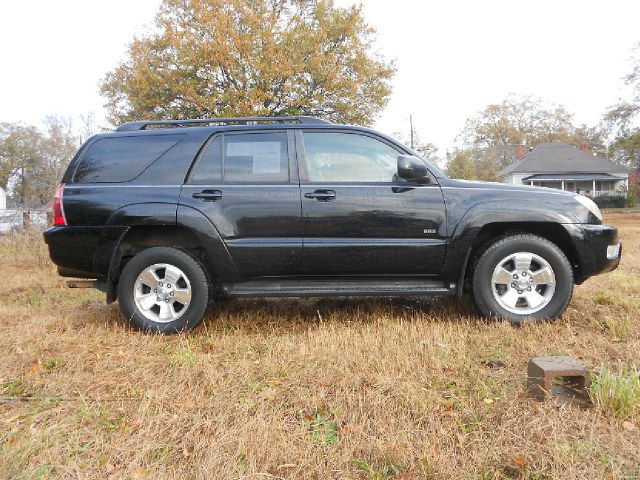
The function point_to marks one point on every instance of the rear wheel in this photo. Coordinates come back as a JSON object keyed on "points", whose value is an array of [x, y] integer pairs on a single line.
{"points": [[521, 278], [163, 289]]}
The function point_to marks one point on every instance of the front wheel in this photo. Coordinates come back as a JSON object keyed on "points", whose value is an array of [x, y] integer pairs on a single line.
{"points": [[522, 277], [163, 289]]}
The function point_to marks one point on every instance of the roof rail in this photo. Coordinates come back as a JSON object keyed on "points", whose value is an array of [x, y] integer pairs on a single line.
{"points": [[143, 125]]}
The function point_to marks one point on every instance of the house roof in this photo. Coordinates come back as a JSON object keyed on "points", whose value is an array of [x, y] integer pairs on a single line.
{"points": [[572, 177], [560, 157]]}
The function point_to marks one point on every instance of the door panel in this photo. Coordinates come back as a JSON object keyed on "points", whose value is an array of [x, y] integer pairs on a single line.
{"points": [[372, 227], [258, 212]]}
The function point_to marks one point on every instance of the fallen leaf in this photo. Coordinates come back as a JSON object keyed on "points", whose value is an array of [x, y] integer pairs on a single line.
{"points": [[34, 368], [493, 363], [520, 461], [139, 472]]}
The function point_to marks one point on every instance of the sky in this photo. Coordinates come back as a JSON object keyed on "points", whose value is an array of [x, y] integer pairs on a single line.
{"points": [[453, 57]]}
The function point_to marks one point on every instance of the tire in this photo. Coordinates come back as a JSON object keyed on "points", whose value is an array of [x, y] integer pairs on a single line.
{"points": [[151, 303], [498, 279]]}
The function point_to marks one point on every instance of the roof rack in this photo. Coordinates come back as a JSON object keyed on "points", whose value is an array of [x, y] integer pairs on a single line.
{"points": [[143, 125]]}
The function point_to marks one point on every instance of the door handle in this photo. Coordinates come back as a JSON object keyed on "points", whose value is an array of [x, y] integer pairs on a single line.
{"points": [[321, 195], [208, 195]]}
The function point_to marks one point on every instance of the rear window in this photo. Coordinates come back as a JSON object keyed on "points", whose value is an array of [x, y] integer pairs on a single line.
{"points": [[121, 159]]}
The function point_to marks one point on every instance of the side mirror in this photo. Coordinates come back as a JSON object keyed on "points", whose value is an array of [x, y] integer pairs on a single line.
{"points": [[412, 168]]}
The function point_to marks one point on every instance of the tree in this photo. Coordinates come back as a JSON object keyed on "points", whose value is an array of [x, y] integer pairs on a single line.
{"points": [[621, 121], [460, 165], [495, 133], [32, 162], [216, 58], [88, 126], [427, 149]]}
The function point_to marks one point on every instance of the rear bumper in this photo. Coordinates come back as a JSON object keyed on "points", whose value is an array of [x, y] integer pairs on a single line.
{"points": [[598, 248], [72, 249]]}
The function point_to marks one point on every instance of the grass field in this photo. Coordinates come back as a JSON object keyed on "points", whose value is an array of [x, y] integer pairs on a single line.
{"points": [[340, 388]]}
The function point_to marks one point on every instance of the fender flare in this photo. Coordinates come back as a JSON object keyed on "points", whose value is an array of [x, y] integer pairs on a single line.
{"points": [[494, 212], [109, 254]]}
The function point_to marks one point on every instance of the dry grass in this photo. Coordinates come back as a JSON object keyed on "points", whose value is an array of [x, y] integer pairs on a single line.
{"points": [[354, 388]]}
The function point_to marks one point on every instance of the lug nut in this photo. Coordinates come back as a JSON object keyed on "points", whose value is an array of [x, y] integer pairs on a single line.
{"points": [[155, 290], [524, 274], [160, 284], [168, 285], [173, 293], [515, 277], [531, 279], [513, 285], [158, 298], [529, 288], [520, 291]]}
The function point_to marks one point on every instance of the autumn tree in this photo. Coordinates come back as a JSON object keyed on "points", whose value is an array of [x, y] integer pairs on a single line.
{"points": [[33, 161], [495, 133], [622, 120], [461, 165], [217, 58]]}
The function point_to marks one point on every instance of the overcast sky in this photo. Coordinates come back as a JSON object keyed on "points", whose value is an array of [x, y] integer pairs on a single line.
{"points": [[453, 57]]}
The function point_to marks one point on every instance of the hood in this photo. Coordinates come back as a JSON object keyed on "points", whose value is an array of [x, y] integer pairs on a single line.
{"points": [[450, 182]]}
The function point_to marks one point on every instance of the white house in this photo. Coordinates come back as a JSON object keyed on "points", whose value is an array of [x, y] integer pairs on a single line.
{"points": [[3, 199], [563, 166]]}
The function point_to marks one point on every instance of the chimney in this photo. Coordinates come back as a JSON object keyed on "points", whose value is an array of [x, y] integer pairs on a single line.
{"points": [[584, 146], [521, 152]]}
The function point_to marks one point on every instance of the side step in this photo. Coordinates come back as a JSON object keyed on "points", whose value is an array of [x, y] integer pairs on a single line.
{"points": [[337, 287]]}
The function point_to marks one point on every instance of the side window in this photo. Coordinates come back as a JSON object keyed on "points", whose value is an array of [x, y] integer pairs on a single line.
{"points": [[121, 159], [209, 167], [346, 157], [256, 157]]}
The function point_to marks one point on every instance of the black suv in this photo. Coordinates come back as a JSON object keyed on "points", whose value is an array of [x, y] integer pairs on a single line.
{"points": [[167, 216]]}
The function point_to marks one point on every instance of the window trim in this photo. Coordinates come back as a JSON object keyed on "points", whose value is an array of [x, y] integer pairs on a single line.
{"points": [[303, 165], [291, 155]]}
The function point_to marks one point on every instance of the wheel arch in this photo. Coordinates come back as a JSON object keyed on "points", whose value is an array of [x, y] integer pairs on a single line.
{"points": [[141, 237], [491, 232]]}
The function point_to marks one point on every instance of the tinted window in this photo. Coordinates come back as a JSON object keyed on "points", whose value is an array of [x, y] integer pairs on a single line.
{"points": [[341, 157], [120, 159], [256, 157], [209, 168]]}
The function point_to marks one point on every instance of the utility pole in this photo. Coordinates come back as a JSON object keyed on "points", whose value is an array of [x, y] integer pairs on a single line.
{"points": [[411, 124]]}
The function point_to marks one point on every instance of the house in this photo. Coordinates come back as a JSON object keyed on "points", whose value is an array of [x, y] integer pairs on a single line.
{"points": [[3, 199], [563, 166]]}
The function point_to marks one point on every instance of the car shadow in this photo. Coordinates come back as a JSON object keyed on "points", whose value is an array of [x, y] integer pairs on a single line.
{"points": [[300, 314], [286, 315]]}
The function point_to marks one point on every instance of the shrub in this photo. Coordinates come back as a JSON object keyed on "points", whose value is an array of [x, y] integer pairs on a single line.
{"points": [[633, 197], [607, 201]]}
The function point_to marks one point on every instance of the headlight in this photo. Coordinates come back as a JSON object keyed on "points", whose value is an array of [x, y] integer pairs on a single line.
{"points": [[591, 205]]}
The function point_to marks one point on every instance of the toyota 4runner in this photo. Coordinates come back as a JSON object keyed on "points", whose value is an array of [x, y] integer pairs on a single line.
{"points": [[167, 216]]}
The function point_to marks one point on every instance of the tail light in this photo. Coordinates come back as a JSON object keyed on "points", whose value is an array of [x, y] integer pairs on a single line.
{"points": [[58, 206]]}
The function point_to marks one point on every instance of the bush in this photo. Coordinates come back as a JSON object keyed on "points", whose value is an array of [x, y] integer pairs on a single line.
{"points": [[633, 197], [607, 201]]}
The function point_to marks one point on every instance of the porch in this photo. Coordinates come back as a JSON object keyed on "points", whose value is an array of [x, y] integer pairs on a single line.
{"points": [[591, 185]]}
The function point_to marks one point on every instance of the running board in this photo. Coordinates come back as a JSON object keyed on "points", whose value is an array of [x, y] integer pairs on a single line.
{"points": [[337, 287]]}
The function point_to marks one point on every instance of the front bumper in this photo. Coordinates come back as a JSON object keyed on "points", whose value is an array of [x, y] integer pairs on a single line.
{"points": [[597, 247]]}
